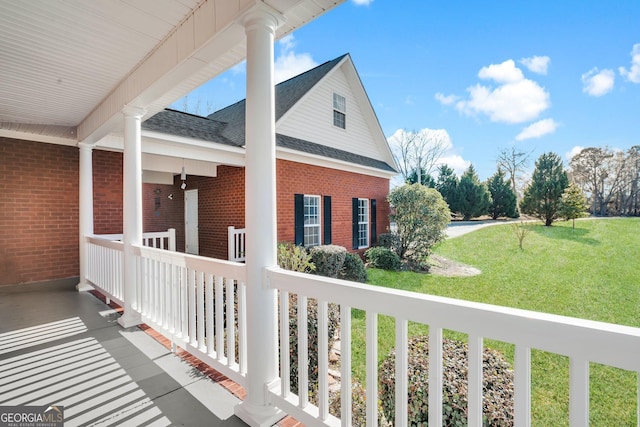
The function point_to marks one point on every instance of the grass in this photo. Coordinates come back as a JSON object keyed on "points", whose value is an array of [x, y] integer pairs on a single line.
{"points": [[589, 272]]}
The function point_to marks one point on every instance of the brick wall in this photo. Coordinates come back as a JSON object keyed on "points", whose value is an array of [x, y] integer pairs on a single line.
{"points": [[38, 211], [342, 186], [39, 206]]}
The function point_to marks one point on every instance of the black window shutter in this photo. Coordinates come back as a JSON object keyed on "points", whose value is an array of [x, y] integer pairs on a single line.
{"points": [[298, 201], [374, 236], [354, 225], [327, 220]]}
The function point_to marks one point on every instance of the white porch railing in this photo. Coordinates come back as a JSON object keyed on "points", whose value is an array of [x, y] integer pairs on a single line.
{"points": [[199, 304], [236, 243], [105, 259], [582, 341]]}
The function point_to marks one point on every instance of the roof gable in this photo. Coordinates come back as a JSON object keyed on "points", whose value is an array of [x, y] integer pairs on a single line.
{"points": [[227, 126]]}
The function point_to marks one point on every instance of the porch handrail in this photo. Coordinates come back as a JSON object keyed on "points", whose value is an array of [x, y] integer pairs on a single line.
{"points": [[155, 239], [583, 341], [236, 243]]}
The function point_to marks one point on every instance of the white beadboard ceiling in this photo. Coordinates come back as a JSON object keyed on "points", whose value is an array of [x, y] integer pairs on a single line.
{"points": [[63, 61]]}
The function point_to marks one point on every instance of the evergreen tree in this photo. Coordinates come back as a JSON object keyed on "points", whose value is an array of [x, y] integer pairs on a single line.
{"points": [[574, 204], [543, 196], [427, 180], [503, 199], [473, 197], [447, 185]]}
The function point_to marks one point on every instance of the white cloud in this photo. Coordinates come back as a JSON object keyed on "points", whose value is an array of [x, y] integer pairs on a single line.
{"points": [[514, 100], [536, 64], [289, 63], [633, 74], [455, 162], [446, 99], [598, 83], [574, 151], [507, 72], [362, 2], [538, 129]]}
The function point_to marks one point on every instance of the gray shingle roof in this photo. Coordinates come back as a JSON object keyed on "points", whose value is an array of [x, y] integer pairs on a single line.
{"points": [[227, 126]]}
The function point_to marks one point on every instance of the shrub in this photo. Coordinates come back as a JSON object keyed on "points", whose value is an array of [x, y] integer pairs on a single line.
{"points": [[358, 407], [421, 216], [390, 241], [383, 258], [353, 269], [333, 312], [497, 384], [328, 259], [294, 258]]}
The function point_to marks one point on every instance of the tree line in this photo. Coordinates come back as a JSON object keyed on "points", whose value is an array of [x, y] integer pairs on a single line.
{"points": [[598, 180]]}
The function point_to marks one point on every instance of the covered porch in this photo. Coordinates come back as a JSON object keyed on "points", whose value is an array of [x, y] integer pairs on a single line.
{"points": [[233, 316]]}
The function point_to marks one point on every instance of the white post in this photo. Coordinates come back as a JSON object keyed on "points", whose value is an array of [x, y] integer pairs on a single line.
{"points": [[260, 218], [132, 210], [85, 187]]}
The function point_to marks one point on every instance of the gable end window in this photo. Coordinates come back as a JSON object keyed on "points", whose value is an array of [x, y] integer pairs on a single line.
{"points": [[339, 111]]}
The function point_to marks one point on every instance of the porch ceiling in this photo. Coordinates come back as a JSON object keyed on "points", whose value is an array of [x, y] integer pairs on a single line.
{"points": [[68, 67]]}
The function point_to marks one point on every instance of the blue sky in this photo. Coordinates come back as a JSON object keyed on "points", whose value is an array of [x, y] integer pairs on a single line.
{"points": [[540, 75]]}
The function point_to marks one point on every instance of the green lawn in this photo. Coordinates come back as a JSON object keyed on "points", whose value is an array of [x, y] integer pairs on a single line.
{"points": [[591, 272]]}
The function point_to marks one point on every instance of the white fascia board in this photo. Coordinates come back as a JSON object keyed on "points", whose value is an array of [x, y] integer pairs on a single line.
{"points": [[179, 147], [321, 161]]}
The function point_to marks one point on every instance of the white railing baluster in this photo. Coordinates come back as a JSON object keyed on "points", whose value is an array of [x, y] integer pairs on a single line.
{"points": [[163, 295], [184, 305], [372, 368], [219, 317], [578, 392], [323, 360], [209, 301], [401, 375], [191, 308], [475, 381], [231, 336], [200, 278], [285, 360], [242, 327], [435, 375], [303, 353], [345, 365], [522, 386]]}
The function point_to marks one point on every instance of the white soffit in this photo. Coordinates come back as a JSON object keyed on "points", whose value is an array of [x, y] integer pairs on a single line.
{"points": [[74, 64]]}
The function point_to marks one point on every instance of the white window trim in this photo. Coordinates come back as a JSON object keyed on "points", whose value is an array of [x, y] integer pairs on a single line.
{"points": [[335, 109], [319, 225], [366, 203]]}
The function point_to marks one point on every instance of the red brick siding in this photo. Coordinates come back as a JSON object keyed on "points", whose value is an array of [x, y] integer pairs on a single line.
{"points": [[39, 206], [220, 204], [107, 192], [342, 186], [39, 211]]}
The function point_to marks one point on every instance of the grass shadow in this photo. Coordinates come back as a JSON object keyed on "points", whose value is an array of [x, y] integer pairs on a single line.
{"points": [[578, 235]]}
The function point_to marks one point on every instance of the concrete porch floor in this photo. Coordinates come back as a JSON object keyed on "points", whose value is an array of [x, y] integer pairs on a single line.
{"points": [[62, 347]]}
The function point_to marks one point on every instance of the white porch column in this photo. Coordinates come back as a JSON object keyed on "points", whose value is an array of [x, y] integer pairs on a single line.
{"points": [[260, 217], [85, 186], [132, 210]]}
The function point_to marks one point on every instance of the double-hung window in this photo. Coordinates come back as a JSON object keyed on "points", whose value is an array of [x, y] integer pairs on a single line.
{"points": [[311, 220], [363, 223], [339, 111]]}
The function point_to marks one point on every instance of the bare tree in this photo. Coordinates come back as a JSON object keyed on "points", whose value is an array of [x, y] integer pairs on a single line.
{"points": [[599, 172], [418, 152], [513, 162]]}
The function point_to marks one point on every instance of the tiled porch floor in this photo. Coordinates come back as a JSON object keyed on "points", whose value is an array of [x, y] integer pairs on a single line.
{"points": [[62, 347]]}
